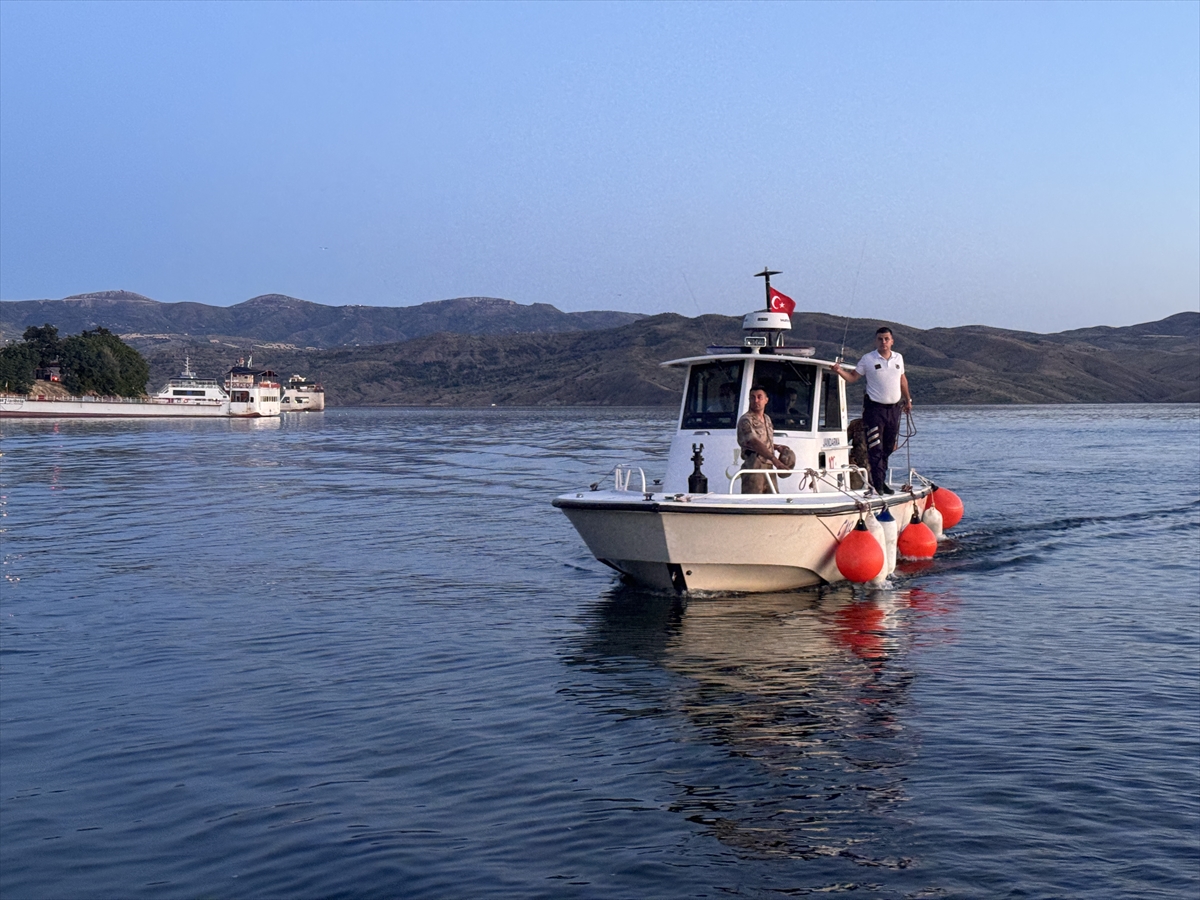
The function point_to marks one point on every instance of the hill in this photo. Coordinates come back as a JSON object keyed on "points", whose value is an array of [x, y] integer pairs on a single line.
{"points": [[484, 350], [148, 324], [1156, 362]]}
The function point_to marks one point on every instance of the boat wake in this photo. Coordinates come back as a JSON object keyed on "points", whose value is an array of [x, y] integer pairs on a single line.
{"points": [[1030, 543]]}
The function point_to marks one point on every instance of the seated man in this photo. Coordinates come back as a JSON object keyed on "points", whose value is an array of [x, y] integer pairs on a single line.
{"points": [[756, 437]]}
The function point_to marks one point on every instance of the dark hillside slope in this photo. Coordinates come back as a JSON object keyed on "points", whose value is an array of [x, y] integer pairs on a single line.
{"points": [[620, 366], [276, 318]]}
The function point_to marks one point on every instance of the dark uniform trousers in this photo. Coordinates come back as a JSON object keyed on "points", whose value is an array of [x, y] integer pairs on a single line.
{"points": [[881, 421]]}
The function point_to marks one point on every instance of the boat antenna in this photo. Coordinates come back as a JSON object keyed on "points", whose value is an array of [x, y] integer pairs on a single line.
{"points": [[766, 274], [699, 315], [853, 293]]}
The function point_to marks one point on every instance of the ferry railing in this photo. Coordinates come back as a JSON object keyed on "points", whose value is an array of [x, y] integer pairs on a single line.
{"points": [[125, 401]]}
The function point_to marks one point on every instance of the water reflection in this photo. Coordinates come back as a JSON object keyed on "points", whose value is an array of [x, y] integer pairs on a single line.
{"points": [[802, 696]]}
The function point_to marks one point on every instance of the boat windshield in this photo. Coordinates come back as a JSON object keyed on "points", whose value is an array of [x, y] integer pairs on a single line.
{"points": [[830, 418], [712, 395], [792, 388]]}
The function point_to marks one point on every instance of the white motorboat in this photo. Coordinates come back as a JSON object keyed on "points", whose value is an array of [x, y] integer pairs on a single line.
{"points": [[302, 395], [693, 530]]}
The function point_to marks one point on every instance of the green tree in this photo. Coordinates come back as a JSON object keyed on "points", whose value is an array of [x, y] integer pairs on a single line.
{"points": [[17, 365], [99, 361], [44, 342]]}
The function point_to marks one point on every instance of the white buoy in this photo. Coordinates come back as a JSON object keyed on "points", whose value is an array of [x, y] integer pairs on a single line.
{"points": [[875, 527], [891, 531], [933, 520]]}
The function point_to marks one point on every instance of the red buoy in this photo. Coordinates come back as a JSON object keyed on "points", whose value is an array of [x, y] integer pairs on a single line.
{"points": [[916, 540], [948, 504], [859, 557]]}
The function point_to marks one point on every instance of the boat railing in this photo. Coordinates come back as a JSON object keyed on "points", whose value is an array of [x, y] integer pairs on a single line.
{"points": [[836, 480], [737, 476], [623, 474], [844, 477], [913, 479]]}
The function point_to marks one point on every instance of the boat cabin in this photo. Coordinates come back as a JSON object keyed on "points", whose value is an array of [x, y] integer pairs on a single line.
{"points": [[302, 395], [807, 407], [187, 387]]}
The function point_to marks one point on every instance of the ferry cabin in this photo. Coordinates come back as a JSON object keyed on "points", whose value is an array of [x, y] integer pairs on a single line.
{"points": [[302, 395], [188, 389]]}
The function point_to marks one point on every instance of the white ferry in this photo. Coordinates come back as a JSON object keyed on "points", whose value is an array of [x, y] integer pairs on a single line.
{"points": [[302, 395], [253, 392], [184, 396], [693, 530]]}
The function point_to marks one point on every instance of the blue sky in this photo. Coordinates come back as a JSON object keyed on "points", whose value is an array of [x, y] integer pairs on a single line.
{"points": [[1023, 165]]}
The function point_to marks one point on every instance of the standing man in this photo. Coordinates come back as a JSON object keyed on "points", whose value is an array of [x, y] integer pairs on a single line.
{"points": [[887, 395], [756, 437]]}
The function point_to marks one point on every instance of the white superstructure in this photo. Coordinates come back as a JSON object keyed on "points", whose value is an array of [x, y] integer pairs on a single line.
{"points": [[691, 533], [253, 392], [302, 395]]}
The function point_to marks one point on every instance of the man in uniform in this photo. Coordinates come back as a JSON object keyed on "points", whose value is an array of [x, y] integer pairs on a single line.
{"points": [[886, 397], [756, 437]]}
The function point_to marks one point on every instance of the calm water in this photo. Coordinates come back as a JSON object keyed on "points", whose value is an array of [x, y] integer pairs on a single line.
{"points": [[359, 654]]}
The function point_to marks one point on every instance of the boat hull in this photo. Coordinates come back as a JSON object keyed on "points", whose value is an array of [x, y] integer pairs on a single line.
{"points": [[302, 401], [23, 408], [723, 544]]}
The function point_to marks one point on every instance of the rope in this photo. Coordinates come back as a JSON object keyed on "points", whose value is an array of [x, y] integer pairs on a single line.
{"points": [[816, 476], [853, 293], [906, 434]]}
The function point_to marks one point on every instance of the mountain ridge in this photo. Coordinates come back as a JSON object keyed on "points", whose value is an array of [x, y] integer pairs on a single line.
{"points": [[148, 323], [620, 366], [478, 351]]}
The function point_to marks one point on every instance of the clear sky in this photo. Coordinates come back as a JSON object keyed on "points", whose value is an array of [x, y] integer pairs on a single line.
{"points": [[1024, 165]]}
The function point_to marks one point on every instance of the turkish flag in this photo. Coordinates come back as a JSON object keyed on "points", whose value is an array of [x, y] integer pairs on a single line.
{"points": [[782, 302]]}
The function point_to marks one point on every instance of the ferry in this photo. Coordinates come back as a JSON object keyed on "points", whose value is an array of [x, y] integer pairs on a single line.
{"points": [[302, 395], [694, 531], [184, 396], [253, 392]]}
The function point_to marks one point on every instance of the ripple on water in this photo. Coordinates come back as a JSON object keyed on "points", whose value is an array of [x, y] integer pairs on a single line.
{"points": [[321, 660]]}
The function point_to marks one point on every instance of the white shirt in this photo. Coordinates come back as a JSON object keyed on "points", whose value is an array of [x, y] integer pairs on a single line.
{"points": [[883, 376]]}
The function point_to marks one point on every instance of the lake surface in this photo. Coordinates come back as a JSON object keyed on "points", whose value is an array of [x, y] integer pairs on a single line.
{"points": [[358, 654]]}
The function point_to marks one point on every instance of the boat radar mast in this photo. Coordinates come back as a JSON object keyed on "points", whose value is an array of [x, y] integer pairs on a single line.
{"points": [[766, 274], [765, 329]]}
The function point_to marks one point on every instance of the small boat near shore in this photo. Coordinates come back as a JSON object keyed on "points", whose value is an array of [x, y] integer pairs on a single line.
{"points": [[693, 530], [247, 393]]}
